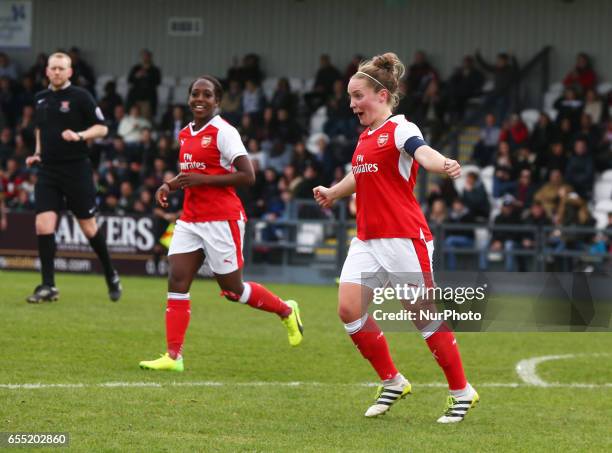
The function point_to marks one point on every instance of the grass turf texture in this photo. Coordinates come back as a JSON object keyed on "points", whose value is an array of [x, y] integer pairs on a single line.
{"points": [[86, 339]]}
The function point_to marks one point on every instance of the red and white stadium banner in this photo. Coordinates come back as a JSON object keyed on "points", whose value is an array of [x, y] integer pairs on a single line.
{"points": [[130, 242]]}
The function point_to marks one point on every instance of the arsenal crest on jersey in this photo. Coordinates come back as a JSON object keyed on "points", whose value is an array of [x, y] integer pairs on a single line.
{"points": [[206, 141], [382, 139], [65, 106]]}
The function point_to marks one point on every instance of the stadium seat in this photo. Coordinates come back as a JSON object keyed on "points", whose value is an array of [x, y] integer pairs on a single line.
{"points": [[460, 181], [602, 191], [186, 80], [488, 86], [549, 100], [268, 86], [122, 89], [604, 88], [530, 118], [486, 176], [606, 175], [308, 85], [180, 93], [102, 80], [603, 206], [168, 80], [556, 87], [552, 114], [296, 84], [163, 97], [601, 219], [318, 119], [122, 80]]}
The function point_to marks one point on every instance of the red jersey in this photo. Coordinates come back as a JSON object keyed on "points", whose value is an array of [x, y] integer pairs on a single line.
{"points": [[385, 173], [210, 151]]}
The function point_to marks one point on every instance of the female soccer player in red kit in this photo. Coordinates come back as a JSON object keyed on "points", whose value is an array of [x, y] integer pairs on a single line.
{"points": [[212, 162], [392, 234]]}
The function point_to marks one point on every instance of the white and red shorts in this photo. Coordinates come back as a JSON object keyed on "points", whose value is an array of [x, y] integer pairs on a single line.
{"points": [[377, 262], [221, 242]]}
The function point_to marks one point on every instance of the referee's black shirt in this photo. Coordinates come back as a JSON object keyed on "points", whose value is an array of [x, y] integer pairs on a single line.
{"points": [[69, 108]]}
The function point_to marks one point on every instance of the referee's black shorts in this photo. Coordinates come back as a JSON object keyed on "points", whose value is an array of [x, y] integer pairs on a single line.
{"points": [[66, 185]]}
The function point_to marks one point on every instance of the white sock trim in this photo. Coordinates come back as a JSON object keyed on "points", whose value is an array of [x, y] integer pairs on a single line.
{"points": [[356, 326], [179, 296], [467, 391], [431, 329], [244, 298]]}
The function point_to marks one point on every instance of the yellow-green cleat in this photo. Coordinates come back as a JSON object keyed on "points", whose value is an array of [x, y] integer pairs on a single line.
{"points": [[293, 323], [164, 363]]}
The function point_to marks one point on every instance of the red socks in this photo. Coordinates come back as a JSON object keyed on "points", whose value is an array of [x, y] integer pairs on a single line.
{"points": [[259, 297], [177, 320], [443, 346], [371, 342]]}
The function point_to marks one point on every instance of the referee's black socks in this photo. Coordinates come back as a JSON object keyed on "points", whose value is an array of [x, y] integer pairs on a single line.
{"points": [[46, 252], [98, 244]]}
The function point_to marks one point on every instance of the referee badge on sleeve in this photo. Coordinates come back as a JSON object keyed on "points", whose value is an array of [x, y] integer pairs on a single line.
{"points": [[65, 107]]}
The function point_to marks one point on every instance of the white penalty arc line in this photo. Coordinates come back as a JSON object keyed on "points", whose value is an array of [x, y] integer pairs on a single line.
{"points": [[527, 370], [36, 386]]}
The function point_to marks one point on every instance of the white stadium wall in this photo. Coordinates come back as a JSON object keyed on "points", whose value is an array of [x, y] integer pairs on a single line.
{"points": [[289, 34]]}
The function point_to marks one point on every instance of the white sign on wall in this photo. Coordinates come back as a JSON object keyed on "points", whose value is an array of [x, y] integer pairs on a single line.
{"points": [[15, 23], [185, 26]]}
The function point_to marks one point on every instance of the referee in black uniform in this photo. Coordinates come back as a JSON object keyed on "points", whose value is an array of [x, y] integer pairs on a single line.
{"points": [[66, 116]]}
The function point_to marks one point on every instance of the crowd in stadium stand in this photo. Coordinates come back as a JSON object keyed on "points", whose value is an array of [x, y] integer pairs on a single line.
{"points": [[298, 140]]}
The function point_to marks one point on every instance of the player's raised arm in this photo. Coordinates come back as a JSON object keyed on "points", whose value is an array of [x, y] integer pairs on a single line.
{"points": [[326, 196], [432, 160]]}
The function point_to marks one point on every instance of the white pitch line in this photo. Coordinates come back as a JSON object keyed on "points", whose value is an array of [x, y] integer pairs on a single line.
{"points": [[527, 371], [36, 386]]}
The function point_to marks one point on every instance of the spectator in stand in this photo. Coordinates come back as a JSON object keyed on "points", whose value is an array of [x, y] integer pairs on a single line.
{"points": [[38, 71], [484, 149], [465, 83], [125, 204], [340, 117], [25, 125], [12, 179], [504, 178], [555, 159], [525, 160], [527, 240], [565, 134], [287, 130], [231, 103], [9, 103], [291, 177], [603, 155], [110, 100], [475, 198], [437, 214], [352, 68], [144, 78], [248, 70], [115, 119], [303, 190], [573, 212], [582, 77], [504, 73], [514, 132], [542, 135], [253, 101], [420, 73], [431, 110], [301, 157], [284, 98], [143, 205], [247, 128], [27, 91], [579, 172], [323, 87], [548, 194], [8, 68], [525, 189], [173, 122], [593, 106], [132, 125], [266, 130], [503, 241], [82, 73], [22, 149], [142, 155], [458, 238], [7, 146], [569, 106], [588, 132]]}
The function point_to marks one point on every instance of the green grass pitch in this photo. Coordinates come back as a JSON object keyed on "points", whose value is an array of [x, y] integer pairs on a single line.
{"points": [[234, 393]]}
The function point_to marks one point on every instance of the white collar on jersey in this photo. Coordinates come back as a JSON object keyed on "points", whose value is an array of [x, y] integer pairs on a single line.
{"points": [[194, 133], [371, 131], [63, 87]]}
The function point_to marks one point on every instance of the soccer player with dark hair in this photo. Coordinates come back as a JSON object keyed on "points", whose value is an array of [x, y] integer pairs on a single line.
{"points": [[66, 116], [213, 161]]}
